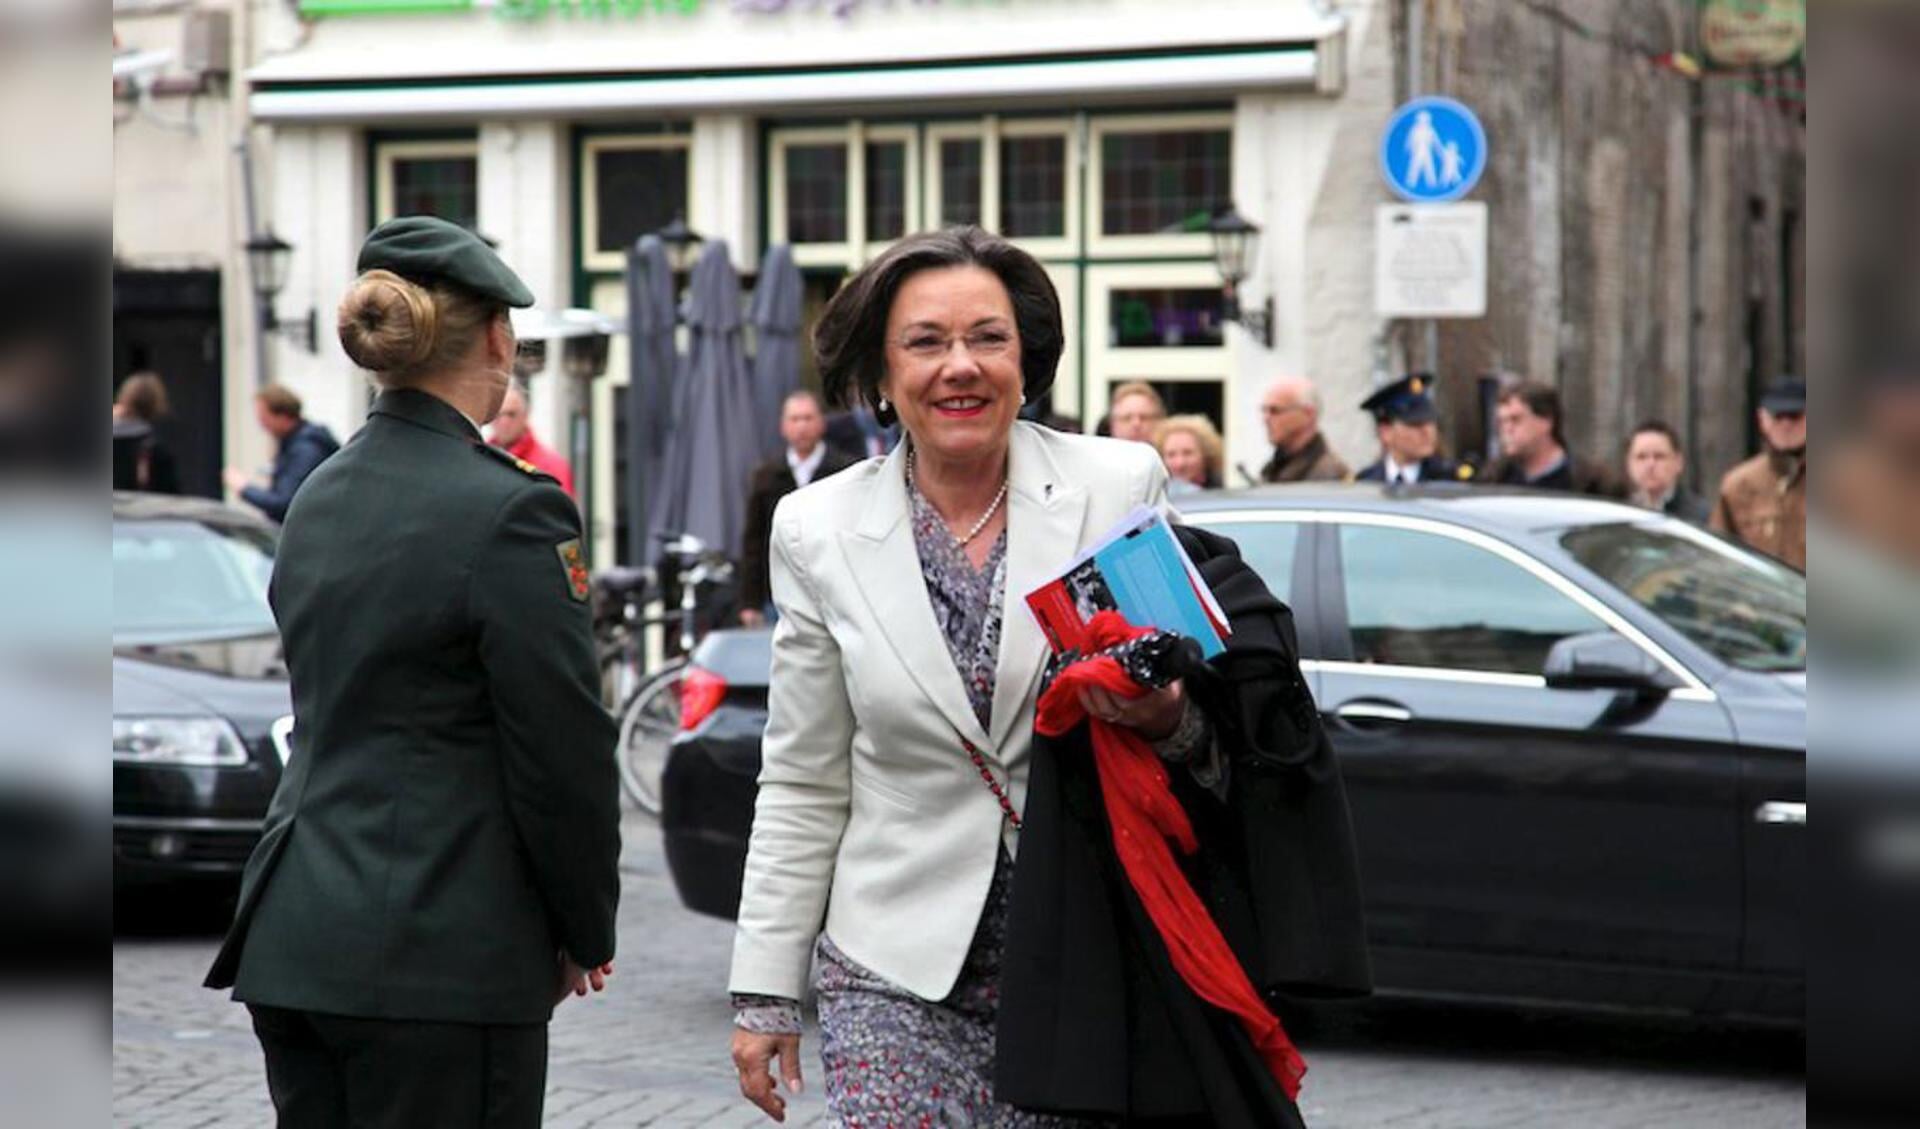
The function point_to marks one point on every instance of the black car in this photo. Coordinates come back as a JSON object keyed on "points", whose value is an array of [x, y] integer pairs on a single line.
{"points": [[1573, 734], [201, 710]]}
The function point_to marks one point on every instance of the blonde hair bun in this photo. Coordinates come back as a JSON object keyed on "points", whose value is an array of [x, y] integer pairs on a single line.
{"points": [[388, 324]]}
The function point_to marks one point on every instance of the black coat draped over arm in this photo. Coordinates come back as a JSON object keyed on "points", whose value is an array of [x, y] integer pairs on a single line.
{"points": [[1094, 1020]]}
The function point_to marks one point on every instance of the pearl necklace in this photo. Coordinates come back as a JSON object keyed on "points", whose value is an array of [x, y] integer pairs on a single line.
{"points": [[984, 518]]}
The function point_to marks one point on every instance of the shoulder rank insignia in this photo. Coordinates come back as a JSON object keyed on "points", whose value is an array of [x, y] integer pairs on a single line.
{"points": [[1463, 472], [512, 460], [575, 566]]}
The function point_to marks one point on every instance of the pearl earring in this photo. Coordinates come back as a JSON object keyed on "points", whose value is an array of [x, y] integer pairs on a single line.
{"points": [[885, 406]]}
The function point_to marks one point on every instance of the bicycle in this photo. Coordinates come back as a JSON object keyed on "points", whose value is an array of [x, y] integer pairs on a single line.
{"points": [[650, 714]]}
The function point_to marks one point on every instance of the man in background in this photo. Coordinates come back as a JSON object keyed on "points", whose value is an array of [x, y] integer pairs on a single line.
{"points": [[1763, 501], [1135, 412], [1655, 464], [1533, 445], [514, 435], [302, 446], [1291, 411], [808, 458], [1406, 420]]}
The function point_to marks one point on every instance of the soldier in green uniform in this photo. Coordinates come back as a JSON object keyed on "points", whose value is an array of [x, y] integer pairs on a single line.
{"points": [[439, 864]]}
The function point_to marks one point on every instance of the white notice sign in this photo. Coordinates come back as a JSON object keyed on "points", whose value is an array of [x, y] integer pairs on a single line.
{"points": [[1430, 260]]}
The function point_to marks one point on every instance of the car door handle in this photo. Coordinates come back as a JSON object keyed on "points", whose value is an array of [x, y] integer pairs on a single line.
{"points": [[1781, 813], [1365, 711]]}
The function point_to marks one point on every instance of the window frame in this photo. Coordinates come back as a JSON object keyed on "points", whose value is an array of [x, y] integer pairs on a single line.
{"points": [[599, 259], [1108, 364], [938, 134], [1198, 244], [1328, 598], [1067, 243], [388, 153], [855, 136]]}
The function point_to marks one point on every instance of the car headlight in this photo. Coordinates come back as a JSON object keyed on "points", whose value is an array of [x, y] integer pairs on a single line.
{"points": [[201, 742]]}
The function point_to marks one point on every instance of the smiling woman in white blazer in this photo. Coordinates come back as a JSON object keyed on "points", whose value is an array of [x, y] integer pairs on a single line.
{"points": [[888, 813]]}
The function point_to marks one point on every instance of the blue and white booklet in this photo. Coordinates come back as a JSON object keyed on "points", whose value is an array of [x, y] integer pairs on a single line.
{"points": [[1140, 570]]}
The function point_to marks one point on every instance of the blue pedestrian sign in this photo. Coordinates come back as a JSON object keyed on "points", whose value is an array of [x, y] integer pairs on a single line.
{"points": [[1433, 150]]}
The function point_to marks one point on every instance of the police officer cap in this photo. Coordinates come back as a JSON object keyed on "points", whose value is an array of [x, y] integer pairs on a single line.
{"points": [[1785, 395], [1407, 400], [426, 249]]}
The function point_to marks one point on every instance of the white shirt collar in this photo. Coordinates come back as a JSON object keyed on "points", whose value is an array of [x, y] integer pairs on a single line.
{"points": [[1397, 473], [804, 469]]}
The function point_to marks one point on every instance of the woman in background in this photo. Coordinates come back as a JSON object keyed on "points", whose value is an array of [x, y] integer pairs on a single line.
{"points": [[1196, 458]]}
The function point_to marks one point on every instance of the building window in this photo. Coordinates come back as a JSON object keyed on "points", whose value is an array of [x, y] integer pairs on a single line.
{"points": [[1165, 318], [960, 181], [837, 194], [634, 185], [428, 178], [886, 190], [1163, 182], [1033, 187], [816, 188]]}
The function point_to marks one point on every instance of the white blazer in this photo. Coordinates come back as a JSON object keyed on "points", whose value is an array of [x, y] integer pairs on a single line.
{"points": [[871, 819]]}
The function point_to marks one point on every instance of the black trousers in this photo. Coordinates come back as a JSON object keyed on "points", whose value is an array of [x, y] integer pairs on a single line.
{"points": [[338, 1072]]}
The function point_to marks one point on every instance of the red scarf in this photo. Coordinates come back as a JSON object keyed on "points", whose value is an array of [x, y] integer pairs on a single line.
{"points": [[1144, 814]]}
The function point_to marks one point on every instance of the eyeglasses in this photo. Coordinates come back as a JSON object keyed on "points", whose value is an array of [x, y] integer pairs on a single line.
{"points": [[1270, 411], [986, 341]]}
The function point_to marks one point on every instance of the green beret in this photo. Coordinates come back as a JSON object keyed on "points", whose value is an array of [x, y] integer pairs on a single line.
{"points": [[427, 249]]}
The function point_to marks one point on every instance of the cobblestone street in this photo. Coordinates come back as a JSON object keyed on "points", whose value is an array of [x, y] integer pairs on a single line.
{"points": [[652, 1051]]}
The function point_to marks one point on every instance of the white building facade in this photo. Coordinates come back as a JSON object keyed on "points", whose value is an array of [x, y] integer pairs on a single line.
{"points": [[1099, 134]]}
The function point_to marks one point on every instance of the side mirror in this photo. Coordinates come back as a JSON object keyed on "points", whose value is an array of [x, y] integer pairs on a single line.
{"points": [[1603, 660]]}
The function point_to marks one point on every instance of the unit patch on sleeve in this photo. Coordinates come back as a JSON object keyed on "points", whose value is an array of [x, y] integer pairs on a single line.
{"points": [[575, 566]]}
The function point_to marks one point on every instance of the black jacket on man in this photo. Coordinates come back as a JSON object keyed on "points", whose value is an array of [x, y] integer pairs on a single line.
{"points": [[303, 450], [448, 820], [1574, 475], [772, 481], [1094, 1019]]}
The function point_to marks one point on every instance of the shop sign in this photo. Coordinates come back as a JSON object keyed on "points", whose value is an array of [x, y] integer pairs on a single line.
{"points": [[1430, 260], [592, 9], [1752, 33], [614, 9]]}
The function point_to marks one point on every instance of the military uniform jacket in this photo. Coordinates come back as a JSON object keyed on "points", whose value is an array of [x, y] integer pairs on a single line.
{"points": [[448, 820], [1433, 468]]}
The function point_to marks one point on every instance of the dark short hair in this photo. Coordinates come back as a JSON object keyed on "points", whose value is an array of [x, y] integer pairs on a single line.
{"points": [[280, 400], [850, 340], [1541, 399], [1656, 427]]}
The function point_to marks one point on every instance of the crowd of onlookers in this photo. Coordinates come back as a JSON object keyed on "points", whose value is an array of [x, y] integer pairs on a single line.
{"points": [[1762, 501]]}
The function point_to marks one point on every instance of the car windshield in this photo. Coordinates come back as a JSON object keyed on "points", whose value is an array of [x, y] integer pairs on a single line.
{"points": [[176, 580], [1747, 609]]}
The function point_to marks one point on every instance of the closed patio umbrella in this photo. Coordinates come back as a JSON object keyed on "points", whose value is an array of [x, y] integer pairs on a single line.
{"points": [[651, 386], [713, 447], [775, 314]]}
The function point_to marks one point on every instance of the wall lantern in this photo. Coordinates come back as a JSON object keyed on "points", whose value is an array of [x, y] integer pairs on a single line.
{"points": [[1235, 241], [267, 258], [682, 243]]}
